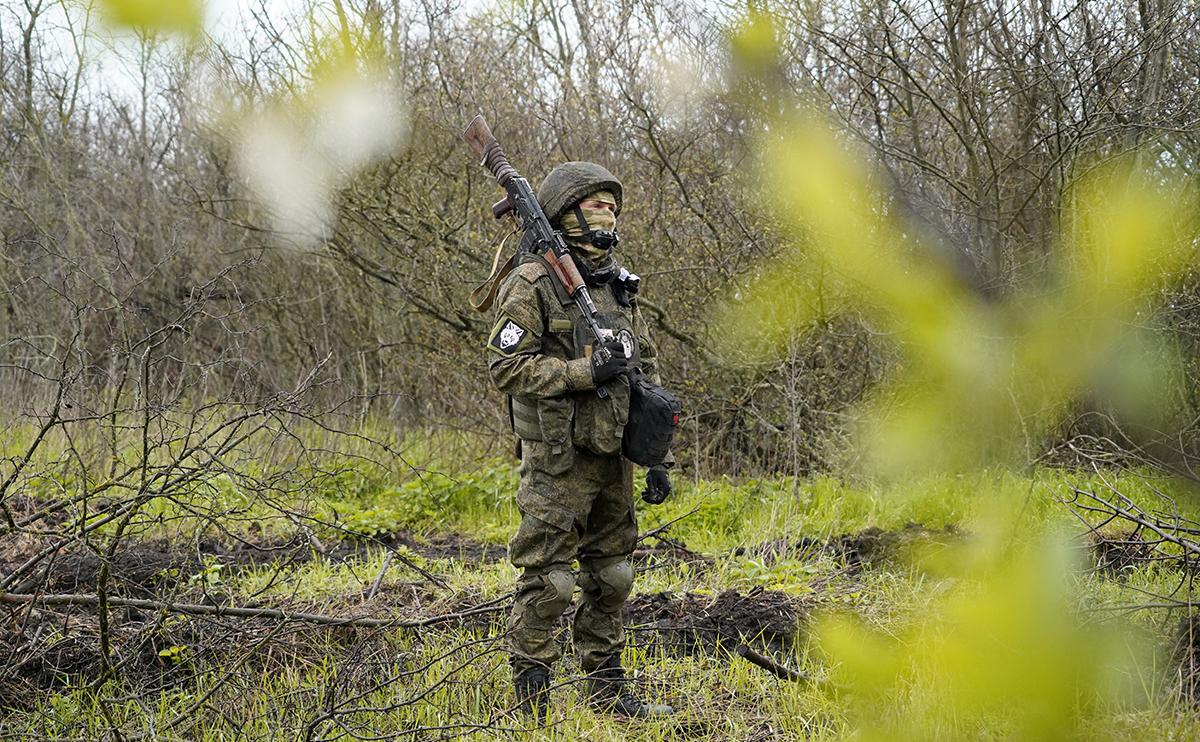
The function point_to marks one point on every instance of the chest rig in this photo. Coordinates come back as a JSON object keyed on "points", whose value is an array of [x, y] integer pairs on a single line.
{"points": [[582, 419]]}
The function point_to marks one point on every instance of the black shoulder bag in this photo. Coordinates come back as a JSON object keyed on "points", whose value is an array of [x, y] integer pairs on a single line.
{"points": [[653, 418]]}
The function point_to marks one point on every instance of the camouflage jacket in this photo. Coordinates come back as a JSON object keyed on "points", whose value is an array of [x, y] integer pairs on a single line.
{"points": [[537, 356]]}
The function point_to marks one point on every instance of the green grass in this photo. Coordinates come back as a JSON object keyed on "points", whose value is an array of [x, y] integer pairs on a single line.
{"points": [[457, 677]]}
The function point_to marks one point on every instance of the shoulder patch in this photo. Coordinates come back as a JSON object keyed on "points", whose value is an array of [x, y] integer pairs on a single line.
{"points": [[509, 337]]}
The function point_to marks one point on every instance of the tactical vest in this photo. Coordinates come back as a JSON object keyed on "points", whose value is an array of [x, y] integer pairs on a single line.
{"points": [[583, 418]]}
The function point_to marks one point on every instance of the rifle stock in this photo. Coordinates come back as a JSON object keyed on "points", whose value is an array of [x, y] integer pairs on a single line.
{"points": [[478, 135], [481, 140]]}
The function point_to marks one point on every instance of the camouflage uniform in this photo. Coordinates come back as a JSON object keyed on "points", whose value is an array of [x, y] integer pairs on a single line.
{"points": [[576, 495]]}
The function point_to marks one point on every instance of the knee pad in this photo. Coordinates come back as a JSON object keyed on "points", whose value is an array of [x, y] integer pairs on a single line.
{"points": [[610, 585], [557, 589]]}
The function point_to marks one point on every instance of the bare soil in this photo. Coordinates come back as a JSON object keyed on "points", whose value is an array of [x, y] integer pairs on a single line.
{"points": [[148, 568], [863, 548], [1117, 553], [1187, 658], [693, 623], [43, 650], [450, 546]]}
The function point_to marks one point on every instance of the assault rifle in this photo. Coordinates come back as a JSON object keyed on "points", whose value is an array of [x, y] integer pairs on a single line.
{"points": [[521, 200]]}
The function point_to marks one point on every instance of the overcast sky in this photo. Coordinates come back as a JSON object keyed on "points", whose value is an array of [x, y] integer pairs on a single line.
{"points": [[111, 54]]}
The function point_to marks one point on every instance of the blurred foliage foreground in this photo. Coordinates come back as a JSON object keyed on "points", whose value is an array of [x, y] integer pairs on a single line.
{"points": [[983, 378], [996, 628]]}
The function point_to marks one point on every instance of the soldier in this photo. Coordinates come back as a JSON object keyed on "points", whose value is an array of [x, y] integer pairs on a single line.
{"points": [[576, 493]]}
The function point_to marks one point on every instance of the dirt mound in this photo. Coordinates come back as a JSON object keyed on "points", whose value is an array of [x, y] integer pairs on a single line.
{"points": [[1187, 657], [133, 571], [45, 651], [144, 569], [34, 665], [667, 552], [873, 545], [795, 548], [692, 623], [453, 546], [1120, 552]]}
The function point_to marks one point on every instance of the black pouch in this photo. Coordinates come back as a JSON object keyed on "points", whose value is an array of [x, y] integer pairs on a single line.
{"points": [[653, 417]]}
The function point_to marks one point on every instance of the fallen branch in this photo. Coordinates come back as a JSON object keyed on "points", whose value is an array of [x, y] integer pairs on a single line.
{"points": [[770, 665], [387, 562], [654, 532], [193, 609]]}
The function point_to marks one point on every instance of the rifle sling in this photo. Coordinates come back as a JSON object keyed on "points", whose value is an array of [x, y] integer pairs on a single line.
{"points": [[484, 295]]}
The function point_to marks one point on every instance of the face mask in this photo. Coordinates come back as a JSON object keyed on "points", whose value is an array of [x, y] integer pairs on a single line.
{"points": [[595, 273], [593, 231], [594, 255], [596, 220]]}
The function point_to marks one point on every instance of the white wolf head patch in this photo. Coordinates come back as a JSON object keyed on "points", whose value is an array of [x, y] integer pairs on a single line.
{"points": [[510, 335]]}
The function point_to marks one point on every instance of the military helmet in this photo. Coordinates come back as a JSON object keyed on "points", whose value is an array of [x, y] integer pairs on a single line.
{"points": [[571, 181]]}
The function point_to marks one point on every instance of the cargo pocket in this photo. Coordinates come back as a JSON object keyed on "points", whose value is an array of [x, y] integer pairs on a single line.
{"points": [[556, 454], [538, 505], [547, 534], [600, 423]]}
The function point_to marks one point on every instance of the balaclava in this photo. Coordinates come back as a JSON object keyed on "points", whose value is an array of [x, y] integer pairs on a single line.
{"points": [[596, 257]]}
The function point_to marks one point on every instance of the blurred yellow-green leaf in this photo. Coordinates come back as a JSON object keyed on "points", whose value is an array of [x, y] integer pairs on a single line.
{"points": [[755, 43], [342, 113], [983, 377], [172, 16], [1003, 656]]}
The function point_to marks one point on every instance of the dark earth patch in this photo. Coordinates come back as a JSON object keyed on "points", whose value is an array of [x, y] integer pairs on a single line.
{"points": [[867, 547], [49, 651], [1120, 552], [45, 650], [1187, 658], [452, 546], [693, 623], [146, 569], [666, 552], [43, 658]]}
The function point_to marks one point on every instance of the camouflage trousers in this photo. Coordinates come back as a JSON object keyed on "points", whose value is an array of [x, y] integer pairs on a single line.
{"points": [[575, 506]]}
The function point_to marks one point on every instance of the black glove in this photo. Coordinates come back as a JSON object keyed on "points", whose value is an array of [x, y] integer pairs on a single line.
{"points": [[608, 360], [658, 485]]}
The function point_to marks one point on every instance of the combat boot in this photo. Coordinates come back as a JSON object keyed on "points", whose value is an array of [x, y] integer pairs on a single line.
{"points": [[611, 692], [533, 692]]}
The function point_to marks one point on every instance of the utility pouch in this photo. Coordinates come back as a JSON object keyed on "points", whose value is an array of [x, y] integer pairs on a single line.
{"points": [[600, 421], [523, 414], [653, 418], [512, 423], [554, 414], [545, 421]]}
